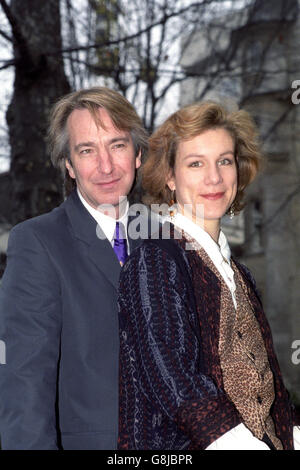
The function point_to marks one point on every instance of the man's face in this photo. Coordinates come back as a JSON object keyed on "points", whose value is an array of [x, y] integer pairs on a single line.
{"points": [[103, 160]]}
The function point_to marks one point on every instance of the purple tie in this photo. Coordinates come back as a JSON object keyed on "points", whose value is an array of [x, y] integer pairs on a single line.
{"points": [[120, 243]]}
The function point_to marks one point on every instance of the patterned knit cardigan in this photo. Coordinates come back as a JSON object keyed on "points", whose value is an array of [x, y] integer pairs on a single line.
{"points": [[171, 394]]}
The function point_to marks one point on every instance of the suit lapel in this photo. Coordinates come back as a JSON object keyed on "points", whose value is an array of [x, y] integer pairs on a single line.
{"points": [[251, 285], [85, 228], [103, 256]]}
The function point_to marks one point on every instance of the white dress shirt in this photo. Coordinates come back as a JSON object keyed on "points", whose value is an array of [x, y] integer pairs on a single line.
{"points": [[240, 437], [107, 224]]}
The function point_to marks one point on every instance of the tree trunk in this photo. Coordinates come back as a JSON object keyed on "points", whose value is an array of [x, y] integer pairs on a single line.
{"points": [[39, 81]]}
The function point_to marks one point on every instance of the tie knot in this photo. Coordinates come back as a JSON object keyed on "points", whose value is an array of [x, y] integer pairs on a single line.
{"points": [[119, 232]]}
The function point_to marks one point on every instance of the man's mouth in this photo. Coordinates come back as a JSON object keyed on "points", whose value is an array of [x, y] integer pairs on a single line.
{"points": [[107, 184]]}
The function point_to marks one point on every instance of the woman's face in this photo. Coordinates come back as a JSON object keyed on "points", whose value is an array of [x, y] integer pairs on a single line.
{"points": [[205, 175]]}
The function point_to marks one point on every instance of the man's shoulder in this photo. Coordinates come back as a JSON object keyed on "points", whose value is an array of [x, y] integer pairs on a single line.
{"points": [[46, 224]]}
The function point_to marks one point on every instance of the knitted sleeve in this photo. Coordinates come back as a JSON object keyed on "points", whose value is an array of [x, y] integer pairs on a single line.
{"points": [[165, 400]]}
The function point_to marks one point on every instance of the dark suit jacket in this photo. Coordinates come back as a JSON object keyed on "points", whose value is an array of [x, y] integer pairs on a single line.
{"points": [[59, 321]]}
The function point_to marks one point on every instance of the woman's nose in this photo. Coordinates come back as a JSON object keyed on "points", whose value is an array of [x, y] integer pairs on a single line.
{"points": [[213, 174]]}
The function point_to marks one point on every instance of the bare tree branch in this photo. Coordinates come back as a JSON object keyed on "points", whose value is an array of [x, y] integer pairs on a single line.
{"points": [[7, 64], [128, 38], [17, 34], [5, 36]]}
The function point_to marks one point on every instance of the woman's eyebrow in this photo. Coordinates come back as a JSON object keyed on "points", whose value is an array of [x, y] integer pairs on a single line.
{"points": [[199, 155]]}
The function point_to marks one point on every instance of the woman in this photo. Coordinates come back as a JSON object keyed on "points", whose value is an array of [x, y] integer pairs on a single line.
{"points": [[197, 364]]}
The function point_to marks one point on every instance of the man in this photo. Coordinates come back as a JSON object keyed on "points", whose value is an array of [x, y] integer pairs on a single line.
{"points": [[58, 298]]}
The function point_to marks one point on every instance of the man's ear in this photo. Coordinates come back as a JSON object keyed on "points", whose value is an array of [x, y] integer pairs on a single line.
{"points": [[138, 160], [69, 167]]}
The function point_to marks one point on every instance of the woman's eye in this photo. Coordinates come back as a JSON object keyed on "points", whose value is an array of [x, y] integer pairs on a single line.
{"points": [[195, 164], [226, 161]]}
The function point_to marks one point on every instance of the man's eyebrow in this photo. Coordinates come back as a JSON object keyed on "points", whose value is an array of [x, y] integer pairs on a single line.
{"points": [[84, 144], [117, 139], [93, 144]]}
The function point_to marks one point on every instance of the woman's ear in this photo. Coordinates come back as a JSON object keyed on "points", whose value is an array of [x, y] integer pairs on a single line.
{"points": [[171, 181]]}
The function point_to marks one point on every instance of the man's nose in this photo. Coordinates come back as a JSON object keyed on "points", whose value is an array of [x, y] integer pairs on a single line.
{"points": [[105, 163]]}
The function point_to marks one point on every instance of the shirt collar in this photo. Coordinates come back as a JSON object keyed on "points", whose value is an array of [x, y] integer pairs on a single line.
{"points": [[216, 251], [107, 224]]}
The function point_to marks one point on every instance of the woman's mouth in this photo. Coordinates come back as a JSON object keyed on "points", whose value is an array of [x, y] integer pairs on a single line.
{"points": [[213, 196]]}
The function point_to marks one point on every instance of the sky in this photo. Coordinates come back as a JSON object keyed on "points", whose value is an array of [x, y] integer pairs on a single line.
{"points": [[6, 82]]}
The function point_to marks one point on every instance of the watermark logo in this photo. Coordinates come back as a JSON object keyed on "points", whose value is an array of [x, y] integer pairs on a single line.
{"points": [[146, 224], [296, 354], [296, 93], [2, 352]]}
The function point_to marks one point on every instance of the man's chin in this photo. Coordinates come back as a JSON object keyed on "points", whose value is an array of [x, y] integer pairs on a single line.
{"points": [[112, 207]]}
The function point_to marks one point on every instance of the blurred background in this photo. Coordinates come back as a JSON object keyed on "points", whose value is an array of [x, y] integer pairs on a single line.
{"points": [[162, 54]]}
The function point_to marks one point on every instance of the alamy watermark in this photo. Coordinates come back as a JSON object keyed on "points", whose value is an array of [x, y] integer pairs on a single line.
{"points": [[2, 352], [296, 354], [296, 93], [145, 223]]}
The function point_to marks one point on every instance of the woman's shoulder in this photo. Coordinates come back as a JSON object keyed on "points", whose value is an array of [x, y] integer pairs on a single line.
{"points": [[158, 259], [156, 253], [153, 248]]}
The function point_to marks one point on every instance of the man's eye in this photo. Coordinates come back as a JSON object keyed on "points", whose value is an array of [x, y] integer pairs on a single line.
{"points": [[118, 146], [85, 151]]}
